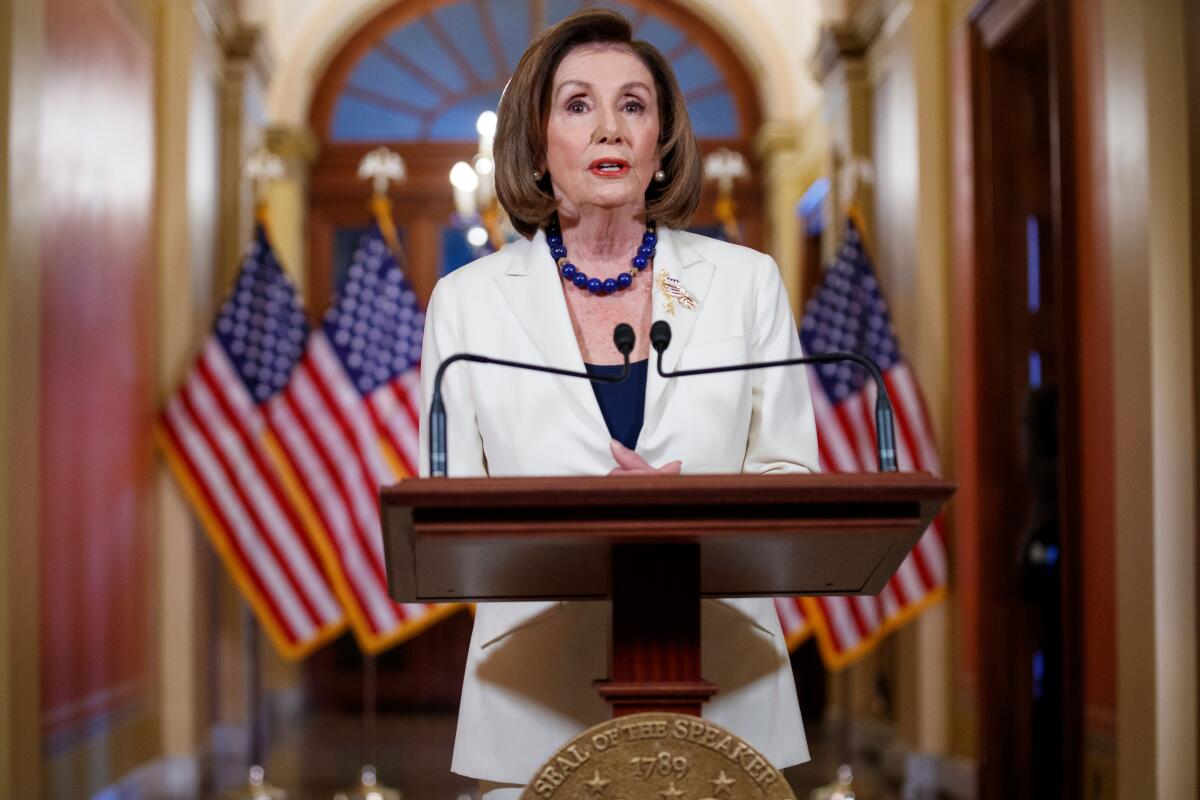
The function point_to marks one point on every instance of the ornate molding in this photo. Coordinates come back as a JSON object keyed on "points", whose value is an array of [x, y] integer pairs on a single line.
{"points": [[776, 137], [839, 42], [292, 143], [850, 39], [245, 45]]}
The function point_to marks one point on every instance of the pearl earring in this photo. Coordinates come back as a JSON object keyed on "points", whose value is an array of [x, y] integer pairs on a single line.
{"points": [[537, 174], [660, 176]]}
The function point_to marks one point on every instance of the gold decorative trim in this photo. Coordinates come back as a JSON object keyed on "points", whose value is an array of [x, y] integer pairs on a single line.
{"points": [[244, 44], [657, 754], [778, 136], [293, 143], [839, 43]]}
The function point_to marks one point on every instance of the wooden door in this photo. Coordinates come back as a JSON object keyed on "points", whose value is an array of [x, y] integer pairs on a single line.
{"points": [[1024, 402]]}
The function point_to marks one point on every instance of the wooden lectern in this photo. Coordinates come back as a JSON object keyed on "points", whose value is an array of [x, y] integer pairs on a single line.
{"points": [[653, 545]]}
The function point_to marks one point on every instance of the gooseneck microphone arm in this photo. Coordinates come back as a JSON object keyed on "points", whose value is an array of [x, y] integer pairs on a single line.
{"points": [[885, 431], [623, 338]]}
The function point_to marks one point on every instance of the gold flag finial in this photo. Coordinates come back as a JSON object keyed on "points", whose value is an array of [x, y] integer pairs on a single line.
{"points": [[725, 166]]}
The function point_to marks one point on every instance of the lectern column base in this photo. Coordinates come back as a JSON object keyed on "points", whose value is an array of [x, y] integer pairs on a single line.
{"points": [[655, 631], [684, 697]]}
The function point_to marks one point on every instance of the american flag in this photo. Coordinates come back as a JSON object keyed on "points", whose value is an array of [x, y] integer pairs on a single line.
{"points": [[347, 423], [215, 438], [848, 313]]}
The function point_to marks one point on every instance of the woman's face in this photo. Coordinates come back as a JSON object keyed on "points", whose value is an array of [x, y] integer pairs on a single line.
{"points": [[602, 133]]}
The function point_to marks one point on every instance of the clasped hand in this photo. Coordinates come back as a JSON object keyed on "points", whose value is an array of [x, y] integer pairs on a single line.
{"points": [[630, 463]]}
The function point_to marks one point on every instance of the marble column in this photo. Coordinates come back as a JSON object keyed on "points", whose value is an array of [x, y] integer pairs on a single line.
{"points": [[778, 147]]}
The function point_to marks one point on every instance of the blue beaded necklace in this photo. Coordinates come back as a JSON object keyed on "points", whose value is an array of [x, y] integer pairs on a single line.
{"points": [[572, 273]]}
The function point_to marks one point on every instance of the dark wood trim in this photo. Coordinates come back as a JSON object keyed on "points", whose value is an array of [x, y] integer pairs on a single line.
{"points": [[1065, 223], [655, 663], [874, 490], [997, 20], [996, 25], [538, 538], [1192, 54], [964, 514], [995, 754]]}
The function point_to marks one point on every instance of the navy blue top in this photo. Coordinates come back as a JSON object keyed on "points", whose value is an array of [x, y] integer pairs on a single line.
{"points": [[622, 404]]}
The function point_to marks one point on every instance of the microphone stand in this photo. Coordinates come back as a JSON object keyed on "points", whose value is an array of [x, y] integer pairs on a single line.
{"points": [[623, 338], [885, 432]]}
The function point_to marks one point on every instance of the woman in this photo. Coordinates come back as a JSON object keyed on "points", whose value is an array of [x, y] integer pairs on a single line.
{"points": [[598, 168]]}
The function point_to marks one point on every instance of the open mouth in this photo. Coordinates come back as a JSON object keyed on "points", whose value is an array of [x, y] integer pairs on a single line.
{"points": [[609, 167]]}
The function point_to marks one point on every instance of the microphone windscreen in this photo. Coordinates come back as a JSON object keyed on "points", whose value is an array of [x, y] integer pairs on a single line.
{"points": [[623, 338], [660, 335]]}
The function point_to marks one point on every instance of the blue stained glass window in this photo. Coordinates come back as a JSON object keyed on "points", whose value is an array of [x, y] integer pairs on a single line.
{"points": [[354, 119], [558, 9], [461, 17], [714, 117], [463, 115], [379, 74], [512, 25], [419, 44], [1033, 250], [658, 33], [696, 71]]}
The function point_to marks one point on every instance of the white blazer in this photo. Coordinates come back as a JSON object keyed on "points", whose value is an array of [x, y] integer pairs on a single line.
{"points": [[528, 684]]}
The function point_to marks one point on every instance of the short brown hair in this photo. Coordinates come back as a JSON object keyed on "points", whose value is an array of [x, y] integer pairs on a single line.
{"points": [[520, 143]]}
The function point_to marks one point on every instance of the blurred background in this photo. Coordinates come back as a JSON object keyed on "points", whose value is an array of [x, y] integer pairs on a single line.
{"points": [[1012, 186]]}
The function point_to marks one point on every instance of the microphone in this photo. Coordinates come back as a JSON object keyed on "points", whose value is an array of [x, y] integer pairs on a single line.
{"points": [[623, 338], [885, 431]]}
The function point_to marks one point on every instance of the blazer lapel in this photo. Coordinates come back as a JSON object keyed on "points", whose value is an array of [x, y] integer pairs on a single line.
{"points": [[532, 288], [673, 256]]}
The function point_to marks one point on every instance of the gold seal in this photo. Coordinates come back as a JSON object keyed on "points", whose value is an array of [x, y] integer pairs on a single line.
{"points": [[657, 756]]}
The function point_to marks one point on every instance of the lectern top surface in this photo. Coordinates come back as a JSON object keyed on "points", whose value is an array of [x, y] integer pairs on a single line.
{"points": [[669, 490], [550, 538]]}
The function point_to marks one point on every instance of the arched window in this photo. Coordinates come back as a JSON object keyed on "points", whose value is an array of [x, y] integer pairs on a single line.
{"points": [[417, 77]]}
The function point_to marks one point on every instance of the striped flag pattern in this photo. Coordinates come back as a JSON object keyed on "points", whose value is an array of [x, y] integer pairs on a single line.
{"points": [[347, 423], [848, 312], [214, 435]]}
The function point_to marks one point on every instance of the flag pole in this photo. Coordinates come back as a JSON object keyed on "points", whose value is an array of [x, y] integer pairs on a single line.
{"points": [[256, 787], [254, 723], [261, 168], [854, 174], [370, 709], [368, 786], [847, 743], [380, 166]]}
